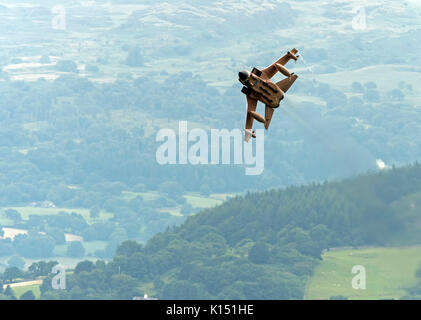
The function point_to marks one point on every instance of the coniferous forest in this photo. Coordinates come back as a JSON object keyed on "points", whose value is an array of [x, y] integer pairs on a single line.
{"points": [[260, 246]]}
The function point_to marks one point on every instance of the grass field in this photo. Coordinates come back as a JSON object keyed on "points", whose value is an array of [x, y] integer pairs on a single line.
{"points": [[388, 272], [68, 263], [390, 76], [196, 200], [146, 196], [20, 290], [90, 248], [132, 119], [199, 201]]}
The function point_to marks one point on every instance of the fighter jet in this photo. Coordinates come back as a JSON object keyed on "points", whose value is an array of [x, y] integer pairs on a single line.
{"points": [[259, 87]]}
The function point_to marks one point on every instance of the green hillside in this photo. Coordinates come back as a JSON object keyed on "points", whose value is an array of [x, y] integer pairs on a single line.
{"points": [[19, 291], [389, 271], [266, 245]]}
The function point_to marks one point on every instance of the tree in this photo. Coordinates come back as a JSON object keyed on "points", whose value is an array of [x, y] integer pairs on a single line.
{"points": [[118, 236], [321, 235], [372, 95], [46, 285], [124, 286], [45, 59], [136, 204], [34, 246], [103, 230], [259, 253], [17, 262], [6, 249], [356, 102], [357, 87], [12, 273], [94, 212], [134, 58], [171, 188], [66, 66], [396, 95], [75, 249], [57, 234], [178, 290], [86, 266], [13, 215], [370, 85], [41, 268], [9, 292], [186, 209], [28, 295], [418, 273], [205, 190], [128, 248]]}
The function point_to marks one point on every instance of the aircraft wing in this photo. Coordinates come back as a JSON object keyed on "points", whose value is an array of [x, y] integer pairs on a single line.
{"points": [[285, 84], [268, 116], [251, 106], [270, 71]]}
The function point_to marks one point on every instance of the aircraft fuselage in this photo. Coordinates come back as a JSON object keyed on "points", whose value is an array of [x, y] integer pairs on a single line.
{"points": [[265, 91]]}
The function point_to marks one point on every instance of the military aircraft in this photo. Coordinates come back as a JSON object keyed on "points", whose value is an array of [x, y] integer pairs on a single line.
{"points": [[259, 87]]}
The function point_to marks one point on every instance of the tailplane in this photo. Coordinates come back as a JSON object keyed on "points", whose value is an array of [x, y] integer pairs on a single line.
{"points": [[285, 84], [248, 134]]}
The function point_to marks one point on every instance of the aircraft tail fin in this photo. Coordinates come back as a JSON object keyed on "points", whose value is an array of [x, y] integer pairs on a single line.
{"points": [[247, 135], [293, 54], [285, 84]]}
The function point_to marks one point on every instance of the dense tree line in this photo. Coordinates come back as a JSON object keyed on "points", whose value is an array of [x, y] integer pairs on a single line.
{"points": [[260, 246], [72, 132]]}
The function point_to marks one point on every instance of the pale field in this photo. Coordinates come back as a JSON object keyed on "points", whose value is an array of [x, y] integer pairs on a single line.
{"points": [[388, 272]]}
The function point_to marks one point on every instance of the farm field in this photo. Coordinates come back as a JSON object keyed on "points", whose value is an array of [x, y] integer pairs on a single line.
{"points": [[69, 263], [21, 287], [26, 211], [90, 248], [19, 291], [388, 272], [391, 76], [196, 200]]}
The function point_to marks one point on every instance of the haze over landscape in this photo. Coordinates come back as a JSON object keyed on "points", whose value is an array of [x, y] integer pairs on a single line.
{"points": [[85, 87]]}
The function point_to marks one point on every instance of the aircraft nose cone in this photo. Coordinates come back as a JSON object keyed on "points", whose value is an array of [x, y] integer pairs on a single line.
{"points": [[243, 75]]}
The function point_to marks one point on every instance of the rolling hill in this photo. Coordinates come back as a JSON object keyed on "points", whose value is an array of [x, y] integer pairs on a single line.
{"points": [[266, 245]]}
